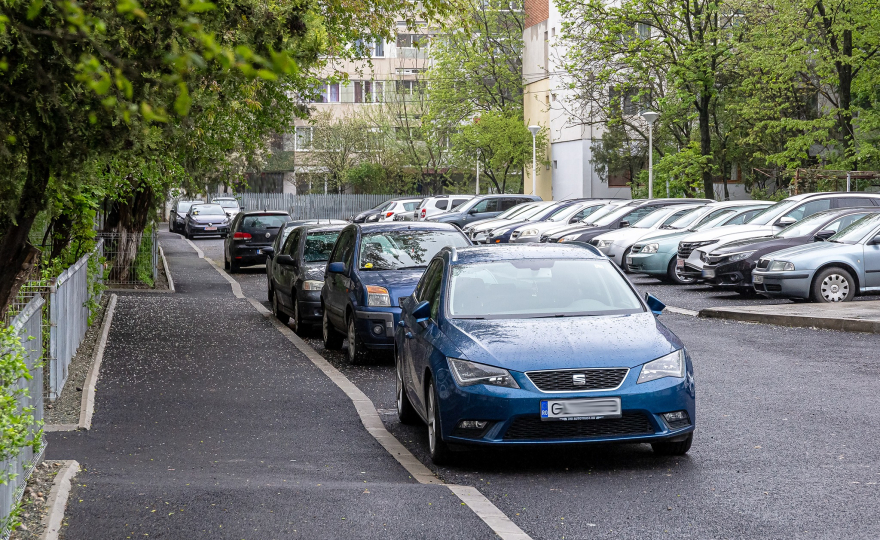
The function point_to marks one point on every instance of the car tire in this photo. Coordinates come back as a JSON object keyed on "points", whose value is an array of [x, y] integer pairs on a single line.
{"points": [[276, 310], [833, 284], [298, 325], [225, 262], [669, 448], [233, 267], [674, 277], [623, 265], [356, 353], [332, 338], [406, 413], [439, 450], [269, 293]]}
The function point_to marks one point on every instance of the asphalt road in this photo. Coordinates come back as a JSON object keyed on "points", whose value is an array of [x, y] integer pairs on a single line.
{"points": [[786, 442]]}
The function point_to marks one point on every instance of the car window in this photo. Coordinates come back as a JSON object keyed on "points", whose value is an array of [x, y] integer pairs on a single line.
{"points": [[291, 242], [487, 205], [208, 210], [639, 213], [844, 222], [343, 246], [847, 202], [318, 245], [430, 282], [858, 230], [410, 206], [404, 248], [809, 208], [228, 204], [742, 218], [510, 202], [264, 221], [441, 204], [772, 212], [457, 202], [540, 288]]}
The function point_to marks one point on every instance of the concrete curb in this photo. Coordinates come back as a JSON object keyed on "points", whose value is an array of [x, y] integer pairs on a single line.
{"points": [[87, 408], [165, 267], [780, 319], [57, 501]]}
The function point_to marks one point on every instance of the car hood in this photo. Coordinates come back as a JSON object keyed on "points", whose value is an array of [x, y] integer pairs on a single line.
{"points": [[486, 224], [735, 232], [807, 252], [566, 342], [398, 282]]}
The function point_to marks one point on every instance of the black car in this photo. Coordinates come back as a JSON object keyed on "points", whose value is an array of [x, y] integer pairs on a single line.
{"points": [[622, 217], [249, 236], [731, 265], [206, 220], [296, 273], [177, 215], [282, 236], [482, 207]]}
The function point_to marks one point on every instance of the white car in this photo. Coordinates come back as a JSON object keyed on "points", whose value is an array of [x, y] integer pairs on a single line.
{"points": [[399, 206], [431, 206], [569, 215], [230, 205]]}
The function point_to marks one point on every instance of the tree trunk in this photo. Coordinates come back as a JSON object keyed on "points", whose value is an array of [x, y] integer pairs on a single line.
{"points": [[129, 218], [706, 142], [17, 254], [844, 71]]}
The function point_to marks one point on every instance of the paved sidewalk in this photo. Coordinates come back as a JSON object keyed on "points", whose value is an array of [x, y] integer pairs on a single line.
{"points": [[209, 424], [849, 317]]}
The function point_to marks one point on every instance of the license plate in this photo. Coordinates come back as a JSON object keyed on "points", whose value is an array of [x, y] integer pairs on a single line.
{"points": [[759, 279], [679, 263], [629, 260], [580, 409], [709, 273], [259, 252], [210, 228]]}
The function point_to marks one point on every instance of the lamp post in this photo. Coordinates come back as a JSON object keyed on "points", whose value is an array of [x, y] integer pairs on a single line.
{"points": [[478, 171], [534, 130], [650, 117]]}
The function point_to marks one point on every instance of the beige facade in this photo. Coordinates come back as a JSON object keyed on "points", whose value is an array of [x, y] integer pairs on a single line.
{"points": [[537, 113]]}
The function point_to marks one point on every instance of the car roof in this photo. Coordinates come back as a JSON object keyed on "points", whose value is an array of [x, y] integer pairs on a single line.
{"points": [[404, 225], [319, 228], [447, 196], [801, 196], [264, 213], [846, 210], [506, 252]]}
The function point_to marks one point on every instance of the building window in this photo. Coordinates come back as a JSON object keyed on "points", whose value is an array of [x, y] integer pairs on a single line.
{"points": [[330, 93], [412, 40], [369, 91], [379, 49], [304, 138], [555, 164], [643, 30], [553, 32], [408, 87]]}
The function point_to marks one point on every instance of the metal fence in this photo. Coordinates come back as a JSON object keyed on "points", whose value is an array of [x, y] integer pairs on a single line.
{"points": [[132, 258], [28, 323], [333, 206]]}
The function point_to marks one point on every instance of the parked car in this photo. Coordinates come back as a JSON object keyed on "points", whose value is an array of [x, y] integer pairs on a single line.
{"points": [[622, 217], [296, 274], [386, 209], [249, 235], [478, 232], [438, 204], [502, 233], [770, 221], [605, 370], [617, 244], [563, 217], [206, 220], [371, 267], [229, 204], [846, 265], [401, 207], [656, 254], [482, 207], [282, 236], [177, 215], [731, 265]]}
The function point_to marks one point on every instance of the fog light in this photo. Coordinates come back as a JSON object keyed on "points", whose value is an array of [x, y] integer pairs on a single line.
{"points": [[378, 329], [677, 419], [472, 424]]}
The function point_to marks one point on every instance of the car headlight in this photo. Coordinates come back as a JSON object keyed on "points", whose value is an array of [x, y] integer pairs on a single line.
{"points": [[671, 365], [603, 243], [741, 255], [529, 232], [780, 266], [650, 248], [313, 285], [378, 296], [470, 373], [569, 238]]}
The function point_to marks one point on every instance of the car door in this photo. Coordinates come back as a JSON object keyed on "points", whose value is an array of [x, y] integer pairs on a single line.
{"points": [[872, 261], [337, 283], [485, 209], [283, 274], [420, 346]]}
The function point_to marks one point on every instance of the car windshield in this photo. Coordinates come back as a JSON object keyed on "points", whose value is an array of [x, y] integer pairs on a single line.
{"points": [[208, 210], [717, 221], [857, 231], [265, 221], [772, 212], [692, 218], [528, 288], [600, 212], [228, 204], [538, 213], [608, 219], [402, 249], [319, 245], [802, 227], [520, 210]]}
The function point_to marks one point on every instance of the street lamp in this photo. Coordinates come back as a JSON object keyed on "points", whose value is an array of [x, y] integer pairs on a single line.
{"points": [[534, 130], [650, 117]]}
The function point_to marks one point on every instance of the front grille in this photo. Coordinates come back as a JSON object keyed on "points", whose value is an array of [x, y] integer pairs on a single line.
{"points": [[763, 264], [532, 427], [773, 288], [686, 248], [563, 380], [545, 237]]}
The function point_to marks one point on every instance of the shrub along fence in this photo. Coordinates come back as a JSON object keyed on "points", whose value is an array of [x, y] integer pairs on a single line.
{"points": [[132, 258], [331, 206], [21, 454]]}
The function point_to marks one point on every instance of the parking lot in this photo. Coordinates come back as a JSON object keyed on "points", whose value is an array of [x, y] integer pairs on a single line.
{"points": [[785, 444]]}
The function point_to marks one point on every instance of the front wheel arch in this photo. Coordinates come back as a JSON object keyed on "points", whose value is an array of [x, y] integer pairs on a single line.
{"points": [[842, 265]]}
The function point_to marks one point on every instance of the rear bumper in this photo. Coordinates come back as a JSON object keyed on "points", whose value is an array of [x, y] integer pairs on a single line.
{"points": [[247, 254]]}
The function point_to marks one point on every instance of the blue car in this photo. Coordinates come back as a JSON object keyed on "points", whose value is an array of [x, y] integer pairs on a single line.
{"points": [[371, 267], [539, 344]]}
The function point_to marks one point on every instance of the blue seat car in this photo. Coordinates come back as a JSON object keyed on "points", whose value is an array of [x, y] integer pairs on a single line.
{"points": [[539, 344], [371, 266]]}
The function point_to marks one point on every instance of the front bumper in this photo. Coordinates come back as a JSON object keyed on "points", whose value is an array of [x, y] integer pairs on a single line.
{"points": [[514, 414], [736, 274], [367, 321], [650, 263], [201, 230], [793, 284], [309, 305]]}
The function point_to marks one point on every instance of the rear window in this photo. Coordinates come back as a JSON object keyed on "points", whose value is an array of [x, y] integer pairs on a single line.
{"points": [[400, 249], [410, 206], [265, 221], [441, 204], [319, 245]]}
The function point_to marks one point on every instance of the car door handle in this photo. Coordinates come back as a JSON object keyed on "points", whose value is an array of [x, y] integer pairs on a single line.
{"points": [[409, 335]]}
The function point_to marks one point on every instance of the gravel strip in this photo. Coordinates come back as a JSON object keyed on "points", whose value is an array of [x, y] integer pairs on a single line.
{"points": [[33, 504], [66, 409]]}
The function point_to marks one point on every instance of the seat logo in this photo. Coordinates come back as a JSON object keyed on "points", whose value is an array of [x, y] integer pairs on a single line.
{"points": [[268, 235], [579, 379]]}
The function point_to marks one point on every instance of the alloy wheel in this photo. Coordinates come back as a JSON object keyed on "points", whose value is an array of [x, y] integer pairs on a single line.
{"points": [[835, 288], [432, 430]]}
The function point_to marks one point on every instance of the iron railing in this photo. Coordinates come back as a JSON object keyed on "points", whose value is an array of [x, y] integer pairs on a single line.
{"points": [[132, 258], [331, 206]]}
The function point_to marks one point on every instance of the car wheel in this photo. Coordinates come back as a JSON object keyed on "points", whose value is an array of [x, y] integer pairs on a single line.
{"points": [[357, 353], [668, 448], [225, 262], [276, 310], [833, 285], [332, 339], [233, 266], [405, 411], [298, 326], [440, 453], [269, 292], [675, 277]]}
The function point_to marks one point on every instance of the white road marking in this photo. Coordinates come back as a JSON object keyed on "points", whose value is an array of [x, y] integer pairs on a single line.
{"points": [[57, 501], [87, 409]]}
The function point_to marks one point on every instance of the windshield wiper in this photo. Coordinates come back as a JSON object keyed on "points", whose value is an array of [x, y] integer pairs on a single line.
{"points": [[411, 267]]}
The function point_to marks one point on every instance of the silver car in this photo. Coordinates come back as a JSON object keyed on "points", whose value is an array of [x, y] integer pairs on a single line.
{"points": [[846, 265]]}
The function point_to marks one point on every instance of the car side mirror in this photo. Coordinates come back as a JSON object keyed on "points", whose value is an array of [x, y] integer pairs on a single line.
{"points": [[472, 211], [821, 236], [285, 259], [785, 221], [336, 268], [269, 251], [422, 313], [875, 241], [624, 224], [654, 304]]}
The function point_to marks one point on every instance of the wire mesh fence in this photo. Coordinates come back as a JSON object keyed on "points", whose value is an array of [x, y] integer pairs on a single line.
{"points": [[131, 258], [331, 206]]}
